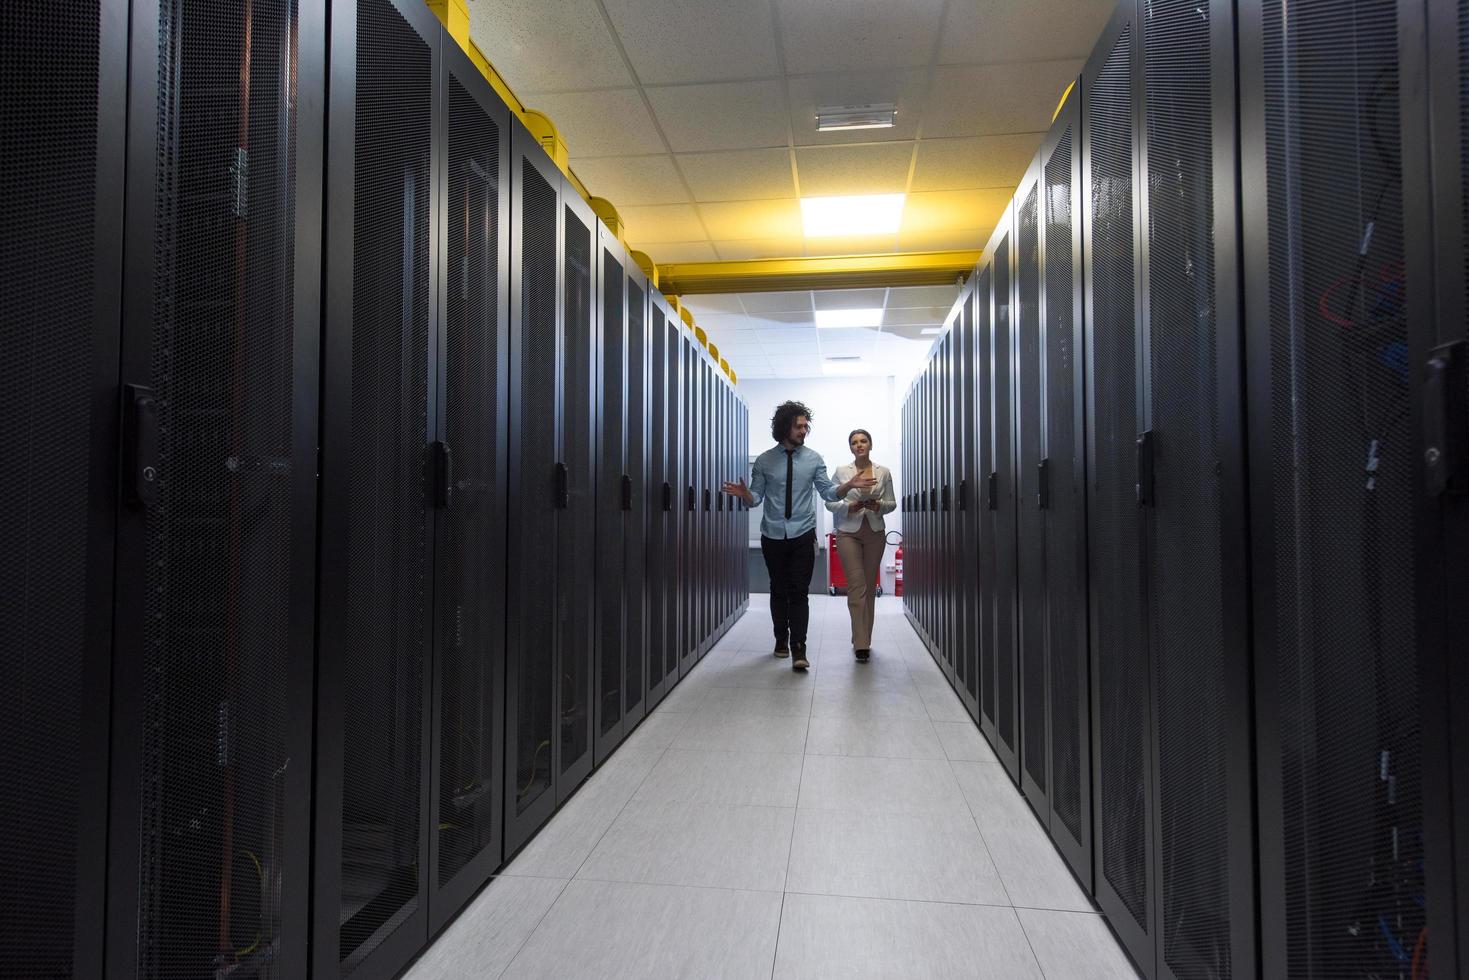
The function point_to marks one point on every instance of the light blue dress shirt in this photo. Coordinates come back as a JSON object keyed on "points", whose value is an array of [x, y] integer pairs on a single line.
{"points": [[768, 484]]}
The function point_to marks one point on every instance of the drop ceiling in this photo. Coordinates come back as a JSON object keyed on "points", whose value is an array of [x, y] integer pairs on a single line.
{"points": [[696, 118]]}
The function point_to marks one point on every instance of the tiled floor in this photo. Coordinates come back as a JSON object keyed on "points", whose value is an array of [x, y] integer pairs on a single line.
{"points": [[849, 822]]}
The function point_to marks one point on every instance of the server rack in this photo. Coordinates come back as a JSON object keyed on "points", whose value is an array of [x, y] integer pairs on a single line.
{"points": [[613, 493], [466, 808], [1342, 622], [61, 262], [635, 509], [378, 520], [984, 312], [688, 650], [948, 639], [662, 553], [532, 675], [967, 538], [1063, 484], [575, 586]]}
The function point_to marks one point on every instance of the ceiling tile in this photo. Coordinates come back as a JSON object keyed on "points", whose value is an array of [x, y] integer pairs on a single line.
{"points": [[858, 35], [981, 161], [739, 175], [724, 116], [696, 40], [903, 88], [996, 30], [601, 124], [748, 220], [714, 304], [786, 349], [682, 252], [856, 245], [762, 248], [872, 168], [530, 43], [917, 297], [954, 212], [966, 239], [661, 223], [632, 181], [849, 299], [795, 302], [986, 100]]}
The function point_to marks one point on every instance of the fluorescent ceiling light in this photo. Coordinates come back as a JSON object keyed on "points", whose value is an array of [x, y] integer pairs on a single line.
{"points": [[835, 118], [865, 214], [932, 330], [848, 318], [843, 365]]}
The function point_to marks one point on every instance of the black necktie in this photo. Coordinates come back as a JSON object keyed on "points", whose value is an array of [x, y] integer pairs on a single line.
{"points": [[790, 469]]}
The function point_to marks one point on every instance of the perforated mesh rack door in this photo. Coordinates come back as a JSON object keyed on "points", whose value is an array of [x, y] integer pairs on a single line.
{"points": [[212, 668], [1066, 502], [574, 570], [970, 484], [983, 337], [1120, 653], [1186, 626], [58, 264], [635, 541], [658, 518], [535, 434], [470, 548], [1031, 550], [1002, 463], [387, 492], [609, 540], [1339, 582]]}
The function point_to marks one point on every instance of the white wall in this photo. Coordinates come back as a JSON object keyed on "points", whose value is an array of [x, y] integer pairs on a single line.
{"points": [[839, 406]]}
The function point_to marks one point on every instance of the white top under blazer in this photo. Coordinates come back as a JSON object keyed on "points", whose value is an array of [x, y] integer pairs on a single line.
{"points": [[882, 493]]}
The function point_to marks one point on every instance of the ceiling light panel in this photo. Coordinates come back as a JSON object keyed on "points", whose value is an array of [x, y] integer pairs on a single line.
{"points": [[834, 319], [844, 366], [841, 118], [867, 214]]}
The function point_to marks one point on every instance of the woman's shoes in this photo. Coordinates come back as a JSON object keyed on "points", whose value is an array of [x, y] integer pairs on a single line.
{"points": [[862, 656]]}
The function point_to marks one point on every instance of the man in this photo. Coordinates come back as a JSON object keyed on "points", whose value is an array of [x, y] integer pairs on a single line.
{"points": [[783, 477]]}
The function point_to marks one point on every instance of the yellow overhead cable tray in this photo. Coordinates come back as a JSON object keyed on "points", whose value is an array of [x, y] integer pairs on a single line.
{"points": [[828, 272]]}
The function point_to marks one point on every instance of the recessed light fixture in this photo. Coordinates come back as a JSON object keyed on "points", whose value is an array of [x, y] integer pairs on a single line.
{"points": [[835, 118], [826, 319], [848, 365], [864, 214], [929, 331]]}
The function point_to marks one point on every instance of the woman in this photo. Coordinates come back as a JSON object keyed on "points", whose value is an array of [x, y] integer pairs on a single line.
{"points": [[862, 535]]}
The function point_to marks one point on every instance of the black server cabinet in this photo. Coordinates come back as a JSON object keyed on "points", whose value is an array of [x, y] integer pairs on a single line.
{"points": [[998, 455], [984, 315], [378, 462], [1342, 511], [612, 493], [677, 497], [1121, 711], [466, 812], [966, 545], [1445, 535], [577, 524], [689, 477], [634, 503], [210, 827], [539, 489], [1033, 674], [659, 499], [946, 544], [63, 111], [1063, 494]]}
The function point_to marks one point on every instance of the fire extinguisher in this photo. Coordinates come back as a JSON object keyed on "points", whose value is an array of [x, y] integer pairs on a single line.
{"points": [[898, 566]]}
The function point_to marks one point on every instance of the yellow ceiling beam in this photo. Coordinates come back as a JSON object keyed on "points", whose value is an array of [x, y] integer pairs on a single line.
{"points": [[829, 272]]}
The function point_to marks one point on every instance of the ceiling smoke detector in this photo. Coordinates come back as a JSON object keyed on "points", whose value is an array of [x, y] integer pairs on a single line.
{"points": [[835, 118]]}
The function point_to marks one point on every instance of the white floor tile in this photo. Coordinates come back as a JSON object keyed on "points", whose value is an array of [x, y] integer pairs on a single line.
{"points": [[889, 738], [485, 938], [879, 785], [736, 778], [963, 742], [1075, 946]]}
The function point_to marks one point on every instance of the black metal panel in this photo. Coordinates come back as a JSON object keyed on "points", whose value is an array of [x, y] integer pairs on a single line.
{"points": [[1195, 544], [467, 812], [575, 572], [1030, 450], [210, 828], [535, 437], [659, 517], [677, 514], [62, 80], [1065, 479], [1336, 494], [636, 515], [1119, 644], [1003, 569], [984, 454], [608, 551]]}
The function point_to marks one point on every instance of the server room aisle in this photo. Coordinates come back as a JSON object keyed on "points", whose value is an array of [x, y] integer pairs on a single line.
{"points": [[846, 823]]}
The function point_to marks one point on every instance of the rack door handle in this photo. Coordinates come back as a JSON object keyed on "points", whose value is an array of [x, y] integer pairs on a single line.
{"points": [[667, 496], [626, 492], [141, 441], [1043, 484], [563, 487], [1446, 420], [692, 508], [963, 495], [443, 463], [707, 504], [992, 490], [945, 499], [1145, 469]]}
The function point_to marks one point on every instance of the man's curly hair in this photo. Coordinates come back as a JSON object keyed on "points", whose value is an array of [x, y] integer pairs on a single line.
{"points": [[785, 416]]}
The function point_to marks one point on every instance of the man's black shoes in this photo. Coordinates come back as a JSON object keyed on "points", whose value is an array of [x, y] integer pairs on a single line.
{"points": [[862, 655], [800, 663], [782, 651]]}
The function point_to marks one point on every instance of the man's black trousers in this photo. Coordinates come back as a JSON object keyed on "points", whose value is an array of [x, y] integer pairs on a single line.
{"points": [[790, 562]]}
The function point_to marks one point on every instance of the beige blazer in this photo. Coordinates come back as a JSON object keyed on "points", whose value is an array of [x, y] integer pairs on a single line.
{"points": [[883, 493]]}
